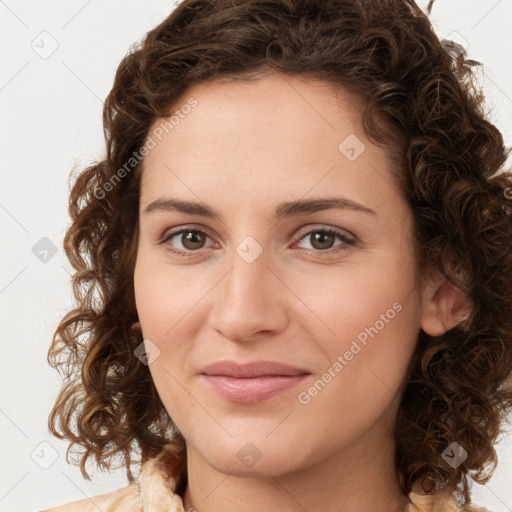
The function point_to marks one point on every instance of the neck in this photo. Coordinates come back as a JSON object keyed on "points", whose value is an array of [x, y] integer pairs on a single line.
{"points": [[357, 478]]}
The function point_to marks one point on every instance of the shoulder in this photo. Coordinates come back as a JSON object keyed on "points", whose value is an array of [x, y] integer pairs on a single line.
{"points": [[154, 490], [474, 508], [439, 502], [126, 498]]}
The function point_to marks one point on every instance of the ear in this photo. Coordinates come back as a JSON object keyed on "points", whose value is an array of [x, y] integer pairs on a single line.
{"points": [[136, 326], [444, 306]]}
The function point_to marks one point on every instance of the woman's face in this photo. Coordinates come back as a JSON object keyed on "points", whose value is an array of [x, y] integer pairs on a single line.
{"points": [[275, 273]]}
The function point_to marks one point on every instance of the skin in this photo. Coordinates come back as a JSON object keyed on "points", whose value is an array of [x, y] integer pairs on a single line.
{"points": [[245, 148]]}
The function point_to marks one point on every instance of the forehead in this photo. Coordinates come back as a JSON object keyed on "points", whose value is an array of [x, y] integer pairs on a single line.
{"points": [[275, 134], [271, 101]]}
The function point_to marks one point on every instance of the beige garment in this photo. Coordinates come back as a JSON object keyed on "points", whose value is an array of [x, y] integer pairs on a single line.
{"points": [[154, 492]]}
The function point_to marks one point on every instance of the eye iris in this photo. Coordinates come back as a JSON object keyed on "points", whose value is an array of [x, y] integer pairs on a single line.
{"points": [[321, 237], [191, 237]]}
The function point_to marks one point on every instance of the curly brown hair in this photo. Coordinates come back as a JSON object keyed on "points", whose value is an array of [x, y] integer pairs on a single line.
{"points": [[422, 102]]}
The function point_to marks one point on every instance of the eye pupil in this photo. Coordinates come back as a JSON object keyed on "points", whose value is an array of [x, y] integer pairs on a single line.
{"points": [[192, 236], [321, 236]]}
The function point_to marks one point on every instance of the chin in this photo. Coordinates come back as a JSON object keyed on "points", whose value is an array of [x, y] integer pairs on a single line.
{"points": [[244, 458]]}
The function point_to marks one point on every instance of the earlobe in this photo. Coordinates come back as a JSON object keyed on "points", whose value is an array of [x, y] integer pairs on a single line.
{"points": [[444, 307]]}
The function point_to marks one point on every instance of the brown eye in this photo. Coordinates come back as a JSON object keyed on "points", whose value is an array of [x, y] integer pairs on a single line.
{"points": [[192, 240], [185, 241], [322, 240]]}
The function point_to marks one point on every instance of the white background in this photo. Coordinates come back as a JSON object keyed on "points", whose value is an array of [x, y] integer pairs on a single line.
{"points": [[51, 119]]}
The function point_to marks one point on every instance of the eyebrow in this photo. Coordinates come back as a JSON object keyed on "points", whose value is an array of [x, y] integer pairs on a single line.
{"points": [[285, 209]]}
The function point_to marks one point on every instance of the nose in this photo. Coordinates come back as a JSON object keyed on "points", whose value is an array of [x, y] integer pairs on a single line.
{"points": [[250, 301]]}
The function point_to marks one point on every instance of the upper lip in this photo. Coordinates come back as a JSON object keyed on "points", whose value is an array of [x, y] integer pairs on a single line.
{"points": [[252, 369]]}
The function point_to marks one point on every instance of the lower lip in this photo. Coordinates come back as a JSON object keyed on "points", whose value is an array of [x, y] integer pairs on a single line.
{"points": [[251, 390]]}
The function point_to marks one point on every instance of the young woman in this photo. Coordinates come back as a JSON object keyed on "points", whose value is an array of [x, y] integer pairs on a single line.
{"points": [[293, 268]]}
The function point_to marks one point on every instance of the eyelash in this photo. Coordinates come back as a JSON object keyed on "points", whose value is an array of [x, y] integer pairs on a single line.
{"points": [[314, 252]]}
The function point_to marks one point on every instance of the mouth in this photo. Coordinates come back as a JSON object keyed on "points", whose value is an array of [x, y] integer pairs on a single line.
{"points": [[251, 390], [251, 382]]}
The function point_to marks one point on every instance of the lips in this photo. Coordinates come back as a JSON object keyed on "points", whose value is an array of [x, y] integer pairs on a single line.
{"points": [[253, 369], [246, 383]]}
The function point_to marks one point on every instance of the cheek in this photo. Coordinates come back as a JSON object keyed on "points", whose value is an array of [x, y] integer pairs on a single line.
{"points": [[348, 299], [169, 305], [164, 296], [365, 363], [162, 307], [368, 316]]}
